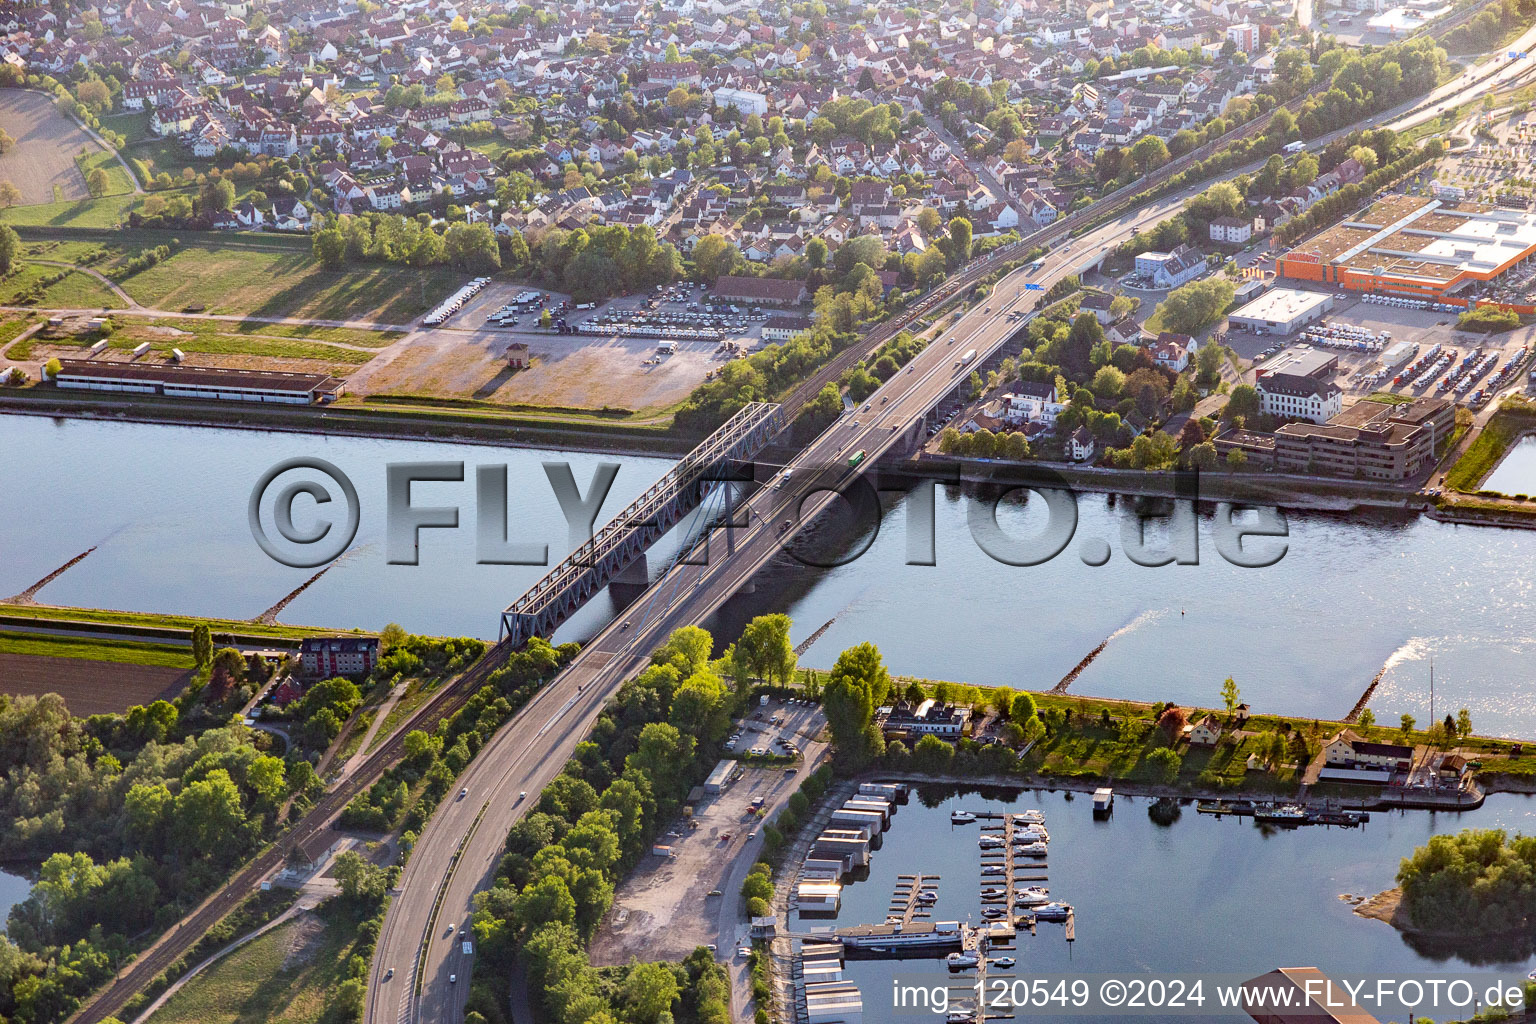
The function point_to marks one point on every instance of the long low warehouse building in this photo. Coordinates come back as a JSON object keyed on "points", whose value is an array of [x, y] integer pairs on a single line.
{"points": [[1415, 246], [199, 382], [1282, 311]]}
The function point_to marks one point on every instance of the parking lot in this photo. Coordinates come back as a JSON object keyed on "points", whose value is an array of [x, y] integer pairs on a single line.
{"points": [[1425, 327], [779, 728], [670, 905], [466, 356]]}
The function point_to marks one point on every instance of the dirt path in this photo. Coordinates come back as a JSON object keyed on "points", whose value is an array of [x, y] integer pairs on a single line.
{"points": [[373, 728], [295, 321], [111, 285]]}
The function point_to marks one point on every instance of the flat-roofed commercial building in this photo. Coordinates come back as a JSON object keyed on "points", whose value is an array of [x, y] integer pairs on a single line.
{"points": [[1280, 311], [199, 382], [1369, 440], [1415, 246]]}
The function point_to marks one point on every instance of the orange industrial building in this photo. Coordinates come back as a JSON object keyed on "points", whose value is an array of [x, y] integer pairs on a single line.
{"points": [[1417, 247]]}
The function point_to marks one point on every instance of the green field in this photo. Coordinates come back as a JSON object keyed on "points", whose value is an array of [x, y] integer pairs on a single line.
{"points": [[154, 620], [75, 291], [94, 649], [106, 212], [287, 282], [252, 985], [119, 181]]}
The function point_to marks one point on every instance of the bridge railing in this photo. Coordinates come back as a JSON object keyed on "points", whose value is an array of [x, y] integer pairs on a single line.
{"points": [[741, 435]]}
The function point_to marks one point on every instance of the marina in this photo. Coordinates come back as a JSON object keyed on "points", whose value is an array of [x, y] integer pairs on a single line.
{"points": [[1117, 880]]}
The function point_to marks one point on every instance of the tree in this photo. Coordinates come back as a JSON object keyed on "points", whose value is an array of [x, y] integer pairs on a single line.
{"points": [[10, 195], [1367, 720], [330, 248], [1242, 401], [1464, 723], [1022, 709], [1229, 695], [217, 196], [858, 683], [472, 247], [1165, 763], [1195, 306], [959, 241], [764, 649], [202, 645], [208, 815], [649, 990], [361, 883], [1407, 723], [96, 182]]}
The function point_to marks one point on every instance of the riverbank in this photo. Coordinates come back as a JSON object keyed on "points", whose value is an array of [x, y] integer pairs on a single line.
{"points": [[177, 629], [1289, 491], [400, 424], [1096, 741]]}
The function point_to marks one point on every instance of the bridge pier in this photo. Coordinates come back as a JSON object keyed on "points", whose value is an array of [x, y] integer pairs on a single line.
{"points": [[631, 581]]}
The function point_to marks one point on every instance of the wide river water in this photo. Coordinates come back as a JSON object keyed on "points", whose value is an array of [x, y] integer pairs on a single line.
{"points": [[166, 509]]}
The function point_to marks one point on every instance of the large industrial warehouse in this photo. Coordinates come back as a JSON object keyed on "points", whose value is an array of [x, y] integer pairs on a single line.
{"points": [[199, 382], [1281, 311], [1415, 246]]}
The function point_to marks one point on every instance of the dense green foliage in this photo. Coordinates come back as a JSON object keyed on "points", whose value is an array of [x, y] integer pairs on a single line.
{"points": [[1479, 881], [134, 818], [653, 742], [1488, 319]]}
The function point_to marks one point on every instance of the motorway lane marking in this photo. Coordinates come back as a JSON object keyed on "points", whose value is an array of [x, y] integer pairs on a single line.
{"points": [[556, 716]]}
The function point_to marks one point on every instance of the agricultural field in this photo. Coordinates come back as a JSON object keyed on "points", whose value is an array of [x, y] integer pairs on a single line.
{"points": [[42, 163], [287, 281], [93, 676], [284, 977], [75, 290], [248, 345]]}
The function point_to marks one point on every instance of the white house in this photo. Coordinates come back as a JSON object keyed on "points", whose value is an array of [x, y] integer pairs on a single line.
{"points": [[1231, 230], [1033, 402]]}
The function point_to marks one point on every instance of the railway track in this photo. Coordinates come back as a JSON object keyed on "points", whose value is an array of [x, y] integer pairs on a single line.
{"points": [[189, 931]]}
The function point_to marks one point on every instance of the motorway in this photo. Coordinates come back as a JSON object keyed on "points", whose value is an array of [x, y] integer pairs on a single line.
{"points": [[457, 853], [526, 754], [531, 749]]}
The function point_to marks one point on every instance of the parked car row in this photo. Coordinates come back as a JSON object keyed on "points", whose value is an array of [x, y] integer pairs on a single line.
{"points": [[455, 302]]}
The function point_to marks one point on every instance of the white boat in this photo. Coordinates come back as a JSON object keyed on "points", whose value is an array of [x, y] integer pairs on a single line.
{"points": [[1030, 815], [1032, 836], [1026, 900], [990, 842], [1031, 850], [928, 896], [961, 818], [1003, 962], [1053, 911], [993, 912], [961, 960], [992, 894], [994, 869]]}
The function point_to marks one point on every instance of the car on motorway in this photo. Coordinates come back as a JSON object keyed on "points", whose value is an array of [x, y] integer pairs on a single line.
{"points": [[389, 974], [463, 793], [453, 978], [522, 796], [715, 892], [743, 952]]}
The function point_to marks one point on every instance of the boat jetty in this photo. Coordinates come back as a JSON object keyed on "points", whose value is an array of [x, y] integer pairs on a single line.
{"points": [[1285, 815]]}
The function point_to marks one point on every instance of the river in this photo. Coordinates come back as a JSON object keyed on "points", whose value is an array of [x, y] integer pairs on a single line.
{"points": [[1516, 473], [1353, 595], [1198, 896]]}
